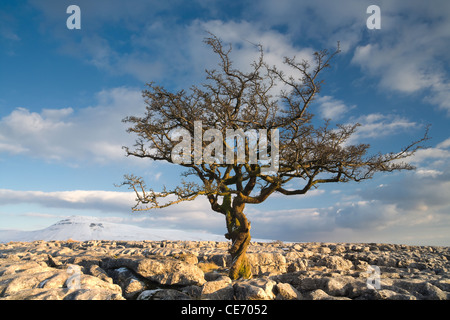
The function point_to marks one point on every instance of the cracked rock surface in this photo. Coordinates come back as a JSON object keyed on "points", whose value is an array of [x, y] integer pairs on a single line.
{"points": [[192, 270]]}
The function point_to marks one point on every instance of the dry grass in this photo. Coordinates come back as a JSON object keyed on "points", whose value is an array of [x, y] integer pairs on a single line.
{"points": [[207, 266]]}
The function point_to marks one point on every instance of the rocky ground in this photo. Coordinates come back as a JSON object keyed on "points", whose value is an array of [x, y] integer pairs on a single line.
{"points": [[193, 270]]}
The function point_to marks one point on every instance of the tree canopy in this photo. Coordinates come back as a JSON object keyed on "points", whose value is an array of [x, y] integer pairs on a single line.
{"points": [[268, 113]]}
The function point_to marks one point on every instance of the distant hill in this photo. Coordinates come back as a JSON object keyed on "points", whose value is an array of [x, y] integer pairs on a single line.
{"points": [[83, 228]]}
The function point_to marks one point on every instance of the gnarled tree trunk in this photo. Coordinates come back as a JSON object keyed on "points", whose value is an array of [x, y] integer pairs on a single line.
{"points": [[239, 233]]}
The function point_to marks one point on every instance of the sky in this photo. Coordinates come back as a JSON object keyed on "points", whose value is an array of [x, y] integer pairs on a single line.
{"points": [[64, 92]]}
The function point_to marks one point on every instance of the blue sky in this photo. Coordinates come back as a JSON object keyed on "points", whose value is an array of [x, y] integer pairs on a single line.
{"points": [[64, 92]]}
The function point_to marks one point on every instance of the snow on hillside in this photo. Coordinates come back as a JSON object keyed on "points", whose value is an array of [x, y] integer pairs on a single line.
{"points": [[90, 228]]}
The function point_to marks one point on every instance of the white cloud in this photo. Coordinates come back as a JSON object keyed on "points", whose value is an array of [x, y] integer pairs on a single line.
{"points": [[245, 35], [24, 123], [161, 50], [322, 20], [77, 199], [90, 134], [444, 144], [412, 208], [43, 215], [331, 108], [432, 158], [412, 59], [189, 215], [309, 194], [290, 224], [417, 202], [408, 55], [400, 68], [377, 125], [365, 215], [10, 148]]}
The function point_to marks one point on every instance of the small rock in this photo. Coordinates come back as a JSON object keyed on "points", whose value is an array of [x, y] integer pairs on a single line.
{"points": [[57, 281], [131, 286], [53, 262], [298, 265], [193, 291], [309, 283], [267, 262], [431, 292], [16, 283], [98, 272], [221, 260], [91, 282], [24, 267], [348, 286], [147, 294], [221, 289], [337, 263], [319, 294], [93, 294], [339, 249], [421, 289], [187, 257], [38, 294], [324, 250], [256, 289], [386, 294], [362, 265], [287, 292], [169, 294], [443, 284], [164, 270], [212, 275]]}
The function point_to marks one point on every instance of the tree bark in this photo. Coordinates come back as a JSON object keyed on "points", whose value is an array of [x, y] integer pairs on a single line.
{"points": [[239, 233]]}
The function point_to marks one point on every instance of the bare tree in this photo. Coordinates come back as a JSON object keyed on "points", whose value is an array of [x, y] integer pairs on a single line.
{"points": [[245, 101]]}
